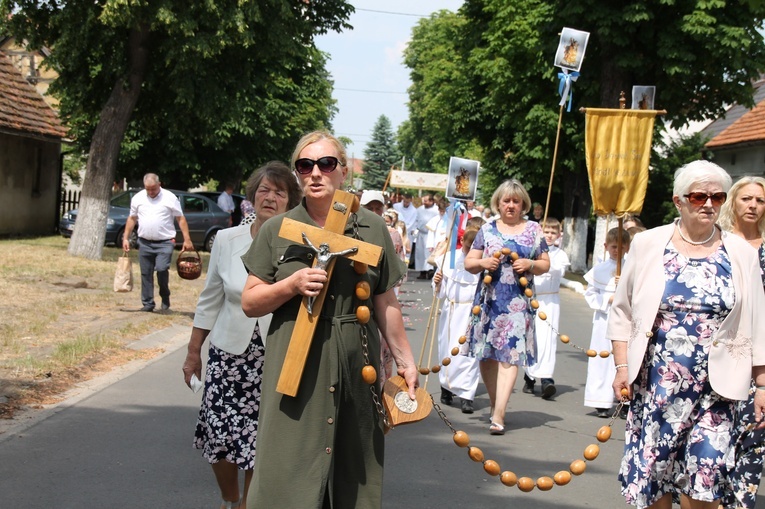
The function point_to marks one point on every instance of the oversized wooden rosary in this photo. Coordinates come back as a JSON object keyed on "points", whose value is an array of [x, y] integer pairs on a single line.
{"points": [[396, 387]]}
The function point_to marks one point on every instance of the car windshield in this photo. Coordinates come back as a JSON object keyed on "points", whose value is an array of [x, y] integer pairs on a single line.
{"points": [[122, 200]]}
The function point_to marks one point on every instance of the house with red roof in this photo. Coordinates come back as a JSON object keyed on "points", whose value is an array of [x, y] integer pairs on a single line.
{"points": [[30, 156], [737, 139]]}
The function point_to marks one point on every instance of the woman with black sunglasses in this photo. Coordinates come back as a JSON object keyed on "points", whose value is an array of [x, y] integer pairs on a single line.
{"points": [[686, 329], [324, 446]]}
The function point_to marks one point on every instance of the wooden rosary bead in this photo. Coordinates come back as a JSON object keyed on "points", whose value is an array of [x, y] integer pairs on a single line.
{"points": [[591, 452], [355, 205], [462, 340], [363, 315], [564, 339], [523, 281], [424, 371], [542, 315], [363, 291], [369, 374], [605, 354], [455, 351], [475, 454], [577, 467], [446, 361], [360, 267], [435, 369], [562, 478], [545, 483], [528, 292], [604, 433], [526, 484], [508, 478], [487, 280], [491, 467], [476, 310], [591, 353], [461, 438]]}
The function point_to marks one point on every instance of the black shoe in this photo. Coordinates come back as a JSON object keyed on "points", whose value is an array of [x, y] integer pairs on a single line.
{"points": [[528, 386], [604, 413], [165, 305], [431, 273], [466, 405], [548, 388], [624, 411], [147, 309], [423, 275], [446, 396]]}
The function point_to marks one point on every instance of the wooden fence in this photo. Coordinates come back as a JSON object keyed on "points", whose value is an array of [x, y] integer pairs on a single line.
{"points": [[69, 200]]}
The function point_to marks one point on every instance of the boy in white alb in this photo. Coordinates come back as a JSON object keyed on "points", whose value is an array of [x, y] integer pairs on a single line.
{"points": [[547, 287], [601, 286], [456, 287]]}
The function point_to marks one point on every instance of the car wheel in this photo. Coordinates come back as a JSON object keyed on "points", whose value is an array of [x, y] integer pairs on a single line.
{"points": [[133, 238], [210, 240]]}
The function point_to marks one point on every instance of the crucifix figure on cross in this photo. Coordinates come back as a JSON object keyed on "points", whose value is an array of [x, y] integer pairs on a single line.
{"points": [[323, 257]]}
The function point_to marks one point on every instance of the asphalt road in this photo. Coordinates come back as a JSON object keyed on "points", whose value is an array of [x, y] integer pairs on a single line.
{"points": [[124, 441]]}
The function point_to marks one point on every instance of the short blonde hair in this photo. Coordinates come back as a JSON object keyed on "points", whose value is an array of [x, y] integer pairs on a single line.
{"points": [[315, 136], [727, 219], [513, 188]]}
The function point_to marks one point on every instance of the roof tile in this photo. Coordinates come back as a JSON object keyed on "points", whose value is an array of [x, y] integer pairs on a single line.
{"points": [[750, 127], [22, 108]]}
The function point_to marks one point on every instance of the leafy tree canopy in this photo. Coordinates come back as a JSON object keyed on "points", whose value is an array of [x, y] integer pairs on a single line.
{"points": [[492, 67]]}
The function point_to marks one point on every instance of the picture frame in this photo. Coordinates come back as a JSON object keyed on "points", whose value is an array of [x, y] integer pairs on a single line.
{"points": [[571, 49], [463, 179], [643, 97]]}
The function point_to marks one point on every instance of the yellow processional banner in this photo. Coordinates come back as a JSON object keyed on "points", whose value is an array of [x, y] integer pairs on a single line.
{"points": [[618, 151]]}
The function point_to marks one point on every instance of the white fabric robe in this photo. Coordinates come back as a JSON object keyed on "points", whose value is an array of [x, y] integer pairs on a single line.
{"points": [[456, 298], [547, 287], [421, 252], [601, 285]]}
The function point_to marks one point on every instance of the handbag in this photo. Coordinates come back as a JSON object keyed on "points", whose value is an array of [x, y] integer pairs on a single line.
{"points": [[123, 277]]}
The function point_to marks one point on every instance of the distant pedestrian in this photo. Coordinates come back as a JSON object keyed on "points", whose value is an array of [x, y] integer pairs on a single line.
{"points": [[226, 202], [155, 210]]}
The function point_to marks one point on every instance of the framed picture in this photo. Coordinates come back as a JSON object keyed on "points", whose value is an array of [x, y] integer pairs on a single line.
{"points": [[642, 97], [571, 48], [463, 179]]}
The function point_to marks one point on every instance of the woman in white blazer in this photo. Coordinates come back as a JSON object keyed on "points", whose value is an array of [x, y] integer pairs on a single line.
{"points": [[228, 419], [688, 333]]}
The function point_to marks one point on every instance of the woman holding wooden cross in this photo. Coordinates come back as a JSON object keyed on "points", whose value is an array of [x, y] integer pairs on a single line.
{"points": [[324, 446]]}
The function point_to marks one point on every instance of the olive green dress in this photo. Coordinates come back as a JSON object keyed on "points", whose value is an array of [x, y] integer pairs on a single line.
{"points": [[324, 447]]}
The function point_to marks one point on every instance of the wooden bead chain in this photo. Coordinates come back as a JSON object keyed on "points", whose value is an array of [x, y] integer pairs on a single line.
{"points": [[492, 467]]}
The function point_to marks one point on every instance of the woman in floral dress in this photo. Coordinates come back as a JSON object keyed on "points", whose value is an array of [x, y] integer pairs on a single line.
{"points": [[228, 418], [686, 330], [743, 214], [502, 336]]}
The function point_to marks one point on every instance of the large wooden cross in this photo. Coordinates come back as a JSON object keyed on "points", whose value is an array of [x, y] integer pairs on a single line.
{"points": [[332, 236]]}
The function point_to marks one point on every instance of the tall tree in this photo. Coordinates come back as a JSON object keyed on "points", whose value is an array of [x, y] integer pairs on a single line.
{"points": [[380, 154], [699, 54], [199, 80]]}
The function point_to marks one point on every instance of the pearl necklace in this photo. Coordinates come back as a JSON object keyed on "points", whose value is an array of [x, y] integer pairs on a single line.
{"points": [[694, 243]]}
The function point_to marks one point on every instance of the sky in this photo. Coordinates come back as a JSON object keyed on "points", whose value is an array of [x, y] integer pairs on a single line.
{"points": [[366, 64]]}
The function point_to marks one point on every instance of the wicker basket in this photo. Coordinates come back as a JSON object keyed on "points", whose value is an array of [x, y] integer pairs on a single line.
{"points": [[189, 264]]}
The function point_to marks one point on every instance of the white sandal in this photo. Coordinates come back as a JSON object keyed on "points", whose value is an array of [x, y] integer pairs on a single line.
{"points": [[231, 505]]}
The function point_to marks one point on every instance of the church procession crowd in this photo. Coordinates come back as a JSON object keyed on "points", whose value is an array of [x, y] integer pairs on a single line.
{"points": [[677, 308]]}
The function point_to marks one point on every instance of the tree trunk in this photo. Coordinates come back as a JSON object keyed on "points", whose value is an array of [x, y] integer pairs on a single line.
{"points": [[90, 230], [577, 211]]}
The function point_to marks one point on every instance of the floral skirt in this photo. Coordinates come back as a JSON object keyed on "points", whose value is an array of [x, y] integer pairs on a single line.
{"points": [[228, 419], [750, 445], [679, 431]]}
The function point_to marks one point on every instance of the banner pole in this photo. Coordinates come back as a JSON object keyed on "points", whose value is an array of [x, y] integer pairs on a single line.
{"points": [[552, 170]]}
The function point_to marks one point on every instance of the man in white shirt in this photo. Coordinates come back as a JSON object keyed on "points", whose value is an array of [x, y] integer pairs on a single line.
{"points": [[407, 213], [226, 202], [155, 210], [425, 213]]}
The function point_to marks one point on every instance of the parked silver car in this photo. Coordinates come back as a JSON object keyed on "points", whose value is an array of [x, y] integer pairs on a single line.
{"points": [[202, 214]]}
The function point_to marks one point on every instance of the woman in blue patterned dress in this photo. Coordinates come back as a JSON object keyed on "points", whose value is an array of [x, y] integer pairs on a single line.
{"points": [[502, 336], [686, 331], [744, 215]]}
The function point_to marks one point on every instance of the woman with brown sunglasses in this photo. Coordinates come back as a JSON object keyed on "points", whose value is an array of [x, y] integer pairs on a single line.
{"points": [[686, 329], [323, 447]]}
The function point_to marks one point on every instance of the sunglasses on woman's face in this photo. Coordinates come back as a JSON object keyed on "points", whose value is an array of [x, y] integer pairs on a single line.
{"points": [[699, 199], [326, 164]]}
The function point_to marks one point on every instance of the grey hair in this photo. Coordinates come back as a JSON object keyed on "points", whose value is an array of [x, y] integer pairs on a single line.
{"points": [[697, 172], [727, 219], [152, 178]]}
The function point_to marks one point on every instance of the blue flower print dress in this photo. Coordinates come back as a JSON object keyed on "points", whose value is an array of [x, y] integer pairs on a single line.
{"points": [[679, 431], [504, 331], [749, 447]]}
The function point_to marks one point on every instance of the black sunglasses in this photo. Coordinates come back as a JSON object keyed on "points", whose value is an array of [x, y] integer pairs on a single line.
{"points": [[699, 199], [326, 164]]}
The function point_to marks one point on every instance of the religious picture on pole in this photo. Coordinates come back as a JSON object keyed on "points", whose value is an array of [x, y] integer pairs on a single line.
{"points": [[463, 178], [571, 49], [642, 97]]}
